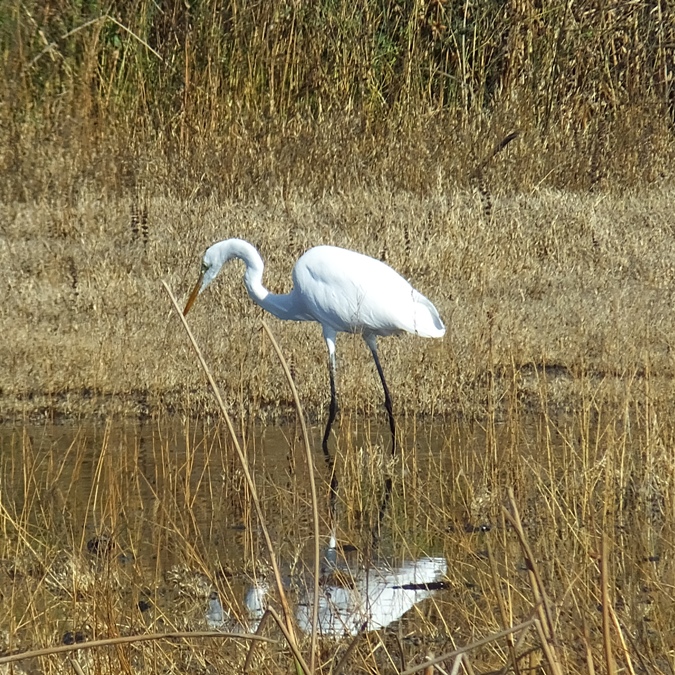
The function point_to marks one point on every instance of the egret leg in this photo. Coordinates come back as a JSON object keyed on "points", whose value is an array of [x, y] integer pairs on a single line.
{"points": [[388, 483], [387, 399], [332, 412]]}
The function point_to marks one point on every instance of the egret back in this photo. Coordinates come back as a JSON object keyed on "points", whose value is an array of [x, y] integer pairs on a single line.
{"points": [[354, 293]]}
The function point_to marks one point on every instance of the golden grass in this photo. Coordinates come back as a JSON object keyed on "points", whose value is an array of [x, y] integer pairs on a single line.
{"points": [[271, 75], [573, 286]]}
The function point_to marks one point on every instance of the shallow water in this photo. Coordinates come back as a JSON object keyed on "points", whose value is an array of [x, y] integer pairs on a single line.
{"points": [[131, 481], [94, 473], [166, 502], [160, 510]]}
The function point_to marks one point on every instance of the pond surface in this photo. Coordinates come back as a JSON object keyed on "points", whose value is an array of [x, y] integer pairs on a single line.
{"points": [[158, 516], [168, 499], [97, 473], [122, 478]]}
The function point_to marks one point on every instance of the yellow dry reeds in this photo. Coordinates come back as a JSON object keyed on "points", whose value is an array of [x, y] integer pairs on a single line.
{"points": [[236, 101], [538, 436], [128, 639]]}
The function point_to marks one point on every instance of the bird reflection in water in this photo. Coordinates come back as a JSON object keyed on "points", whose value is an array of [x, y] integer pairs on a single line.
{"points": [[350, 600]]}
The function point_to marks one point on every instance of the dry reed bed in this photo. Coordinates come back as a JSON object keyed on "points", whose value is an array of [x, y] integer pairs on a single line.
{"points": [[172, 500], [214, 81], [579, 284]]}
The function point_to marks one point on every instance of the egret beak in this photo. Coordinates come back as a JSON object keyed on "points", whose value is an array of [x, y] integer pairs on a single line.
{"points": [[194, 294]]}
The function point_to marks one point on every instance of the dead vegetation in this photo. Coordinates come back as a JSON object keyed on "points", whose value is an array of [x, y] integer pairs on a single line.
{"points": [[133, 136], [574, 286]]}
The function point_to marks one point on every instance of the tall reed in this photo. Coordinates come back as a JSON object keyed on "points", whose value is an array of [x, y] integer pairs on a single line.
{"points": [[265, 96]]}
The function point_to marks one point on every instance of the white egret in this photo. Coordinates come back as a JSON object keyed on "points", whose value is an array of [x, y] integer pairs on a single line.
{"points": [[344, 291]]}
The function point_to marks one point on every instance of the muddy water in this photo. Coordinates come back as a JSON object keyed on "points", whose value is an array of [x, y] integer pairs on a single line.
{"points": [[165, 505], [160, 487], [162, 510], [157, 488], [130, 481]]}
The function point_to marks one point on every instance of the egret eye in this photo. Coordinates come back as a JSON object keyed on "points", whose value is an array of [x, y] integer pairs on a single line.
{"points": [[205, 267]]}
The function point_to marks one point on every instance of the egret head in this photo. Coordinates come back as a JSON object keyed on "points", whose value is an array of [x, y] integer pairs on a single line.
{"points": [[210, 267]]}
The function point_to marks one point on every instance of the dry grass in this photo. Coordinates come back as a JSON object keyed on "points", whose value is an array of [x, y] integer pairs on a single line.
{"points": [[578, 285], [240, 100]]}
